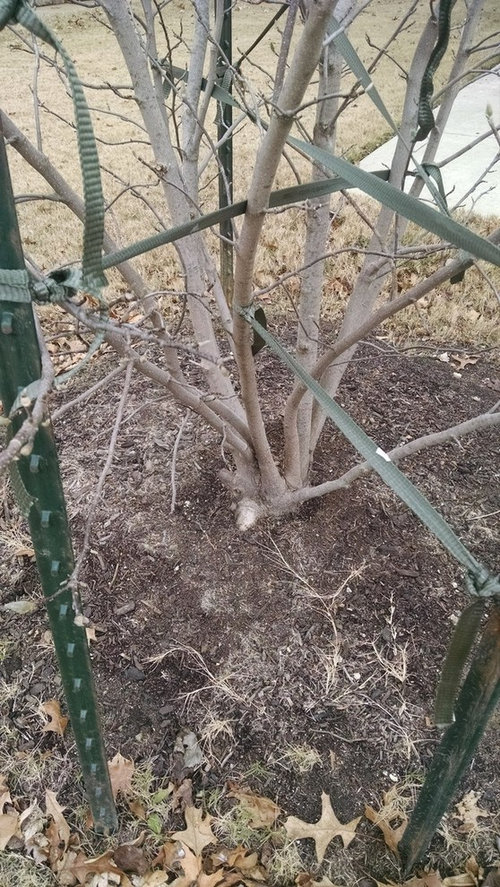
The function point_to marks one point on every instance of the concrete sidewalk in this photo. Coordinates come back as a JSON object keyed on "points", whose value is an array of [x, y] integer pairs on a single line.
{"points": [[466, 122]]}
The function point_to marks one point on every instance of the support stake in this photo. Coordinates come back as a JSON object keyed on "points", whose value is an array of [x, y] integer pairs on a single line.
{"points": [[39, 490]]}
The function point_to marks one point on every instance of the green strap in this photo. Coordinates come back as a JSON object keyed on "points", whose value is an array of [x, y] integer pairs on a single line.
{"points": [[24, 499], [461, 644], [14, 286], [425, 115], [481, 582], [93, 278]]}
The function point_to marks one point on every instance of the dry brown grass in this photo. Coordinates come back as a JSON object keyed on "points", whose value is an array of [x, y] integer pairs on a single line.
{"points": [[464, 314]]}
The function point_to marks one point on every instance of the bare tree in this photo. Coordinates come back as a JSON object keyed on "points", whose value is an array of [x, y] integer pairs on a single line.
{"points": [[174, 115]]}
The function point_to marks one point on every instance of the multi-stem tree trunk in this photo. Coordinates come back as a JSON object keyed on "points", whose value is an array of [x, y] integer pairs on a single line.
{"points": [[232, 404]]}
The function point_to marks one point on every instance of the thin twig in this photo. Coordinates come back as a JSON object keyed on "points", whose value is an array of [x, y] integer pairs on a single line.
{"points": [[87, 393], [174, 463], [73, 580]]}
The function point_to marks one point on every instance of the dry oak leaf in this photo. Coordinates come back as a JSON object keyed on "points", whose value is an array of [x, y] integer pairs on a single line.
{"points": [[120, 773], [392, 836], [169, 855], [155, 879], [58, 831], [9, 826], [469, 812], [263, 812], [57, 722], [100, 865], [325, 830], [198, 832]]}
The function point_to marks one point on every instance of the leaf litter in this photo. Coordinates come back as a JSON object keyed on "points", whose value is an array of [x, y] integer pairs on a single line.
{"points": [[194, 856]]}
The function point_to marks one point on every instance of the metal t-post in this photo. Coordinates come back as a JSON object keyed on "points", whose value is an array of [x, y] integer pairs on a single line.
{"points": [[37, 483]]}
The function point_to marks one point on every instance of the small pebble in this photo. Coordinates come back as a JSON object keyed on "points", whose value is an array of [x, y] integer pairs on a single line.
{"points": [[134, 674]]}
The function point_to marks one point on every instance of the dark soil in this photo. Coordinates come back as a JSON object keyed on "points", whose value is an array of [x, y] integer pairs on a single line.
{"points": [[326, 629]]}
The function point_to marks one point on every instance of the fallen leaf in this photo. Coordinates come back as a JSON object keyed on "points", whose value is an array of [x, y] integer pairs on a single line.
{"points": [[325, 830], [191, 865], [465, 880], [382, 819], [100, 865], [22, 607], [130, 858], [492, 879], [155, 879], [198, 832], [469, 812], [155, 823], [9, 826], [58, 831], [463, 360], [169, 855], [137, 808], [263, 812], [24, 551], [120, 773], [57, 722]]}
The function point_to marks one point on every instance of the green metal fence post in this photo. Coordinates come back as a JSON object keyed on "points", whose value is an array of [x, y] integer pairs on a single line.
{"points": [[475, 705], [37, 482]]}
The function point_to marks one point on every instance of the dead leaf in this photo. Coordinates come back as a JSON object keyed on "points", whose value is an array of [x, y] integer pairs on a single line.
{"points": [[469, 812], [58, 831], [463, 360], [382, 819], [137, 808], [9, 826], [198, 832], [263, 811], [130, 858], [465, 880], [57, 722], [100, 865], [22, 607], [155, 879], [191, 866], [120, 773], [24, 551], [492, 878], [169, 856], [325, 830]]}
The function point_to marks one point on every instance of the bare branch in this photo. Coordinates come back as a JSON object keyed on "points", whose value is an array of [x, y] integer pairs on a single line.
{"points": [[23, 439], [73, 579], [437, 438]]}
